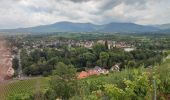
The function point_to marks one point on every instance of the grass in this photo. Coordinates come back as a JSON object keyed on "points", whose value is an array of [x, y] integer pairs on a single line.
{"points": [[24, 88]]}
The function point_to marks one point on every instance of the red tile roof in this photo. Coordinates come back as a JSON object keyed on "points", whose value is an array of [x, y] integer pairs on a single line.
{"points": [[83, 74]]}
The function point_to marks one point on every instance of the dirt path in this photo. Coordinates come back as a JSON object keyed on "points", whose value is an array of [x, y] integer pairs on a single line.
{"points": [[19, 66]]}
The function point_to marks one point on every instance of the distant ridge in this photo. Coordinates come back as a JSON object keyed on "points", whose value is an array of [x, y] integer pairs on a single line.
{"points": [[88, 27]]}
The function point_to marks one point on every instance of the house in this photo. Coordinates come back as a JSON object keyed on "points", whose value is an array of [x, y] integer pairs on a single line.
{"points": [[95, 71], [122, 45], [83, 74], [100, 70], [97, 68], [116, 67], [92, 72], [101, 42], [104, 71], [110, 44], [88, 44], [129, 49]]}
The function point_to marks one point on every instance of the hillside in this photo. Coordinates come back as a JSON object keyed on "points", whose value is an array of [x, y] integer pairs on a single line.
{"points": [[163, 26], [84, 27]]}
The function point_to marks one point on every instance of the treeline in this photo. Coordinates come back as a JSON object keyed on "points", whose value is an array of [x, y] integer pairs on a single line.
{"points": [[42, 61]]}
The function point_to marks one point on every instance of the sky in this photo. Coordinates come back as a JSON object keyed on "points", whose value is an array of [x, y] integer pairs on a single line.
{"points": [[27, 13]]}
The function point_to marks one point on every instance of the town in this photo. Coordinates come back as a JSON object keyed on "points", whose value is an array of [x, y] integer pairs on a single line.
{"points": [[88, 60], [84, 49]]}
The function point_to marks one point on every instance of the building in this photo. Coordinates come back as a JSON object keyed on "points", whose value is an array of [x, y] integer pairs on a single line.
{"points": [[95, 71], [88, 44], [83, 74], [116, 67], [129, 49]]}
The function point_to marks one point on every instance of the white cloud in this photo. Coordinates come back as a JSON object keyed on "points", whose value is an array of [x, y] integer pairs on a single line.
{"points": [[25, 13]]}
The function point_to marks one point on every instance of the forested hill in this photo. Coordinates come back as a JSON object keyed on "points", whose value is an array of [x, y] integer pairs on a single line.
{"points": [[86, 27]]}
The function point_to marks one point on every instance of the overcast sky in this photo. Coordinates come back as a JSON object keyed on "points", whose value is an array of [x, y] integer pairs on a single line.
{"points": [[25, 13]]}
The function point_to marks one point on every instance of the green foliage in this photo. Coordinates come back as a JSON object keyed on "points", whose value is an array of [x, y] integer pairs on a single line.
{"points": [[128, 84], [63, 83], [138, 88], [163, 74], [112, 92], [15, 63], [53, 61], [104, 56], [98, 48], [135, 84], [41, 61], [66, 72], [88, 58], [21, 96]]}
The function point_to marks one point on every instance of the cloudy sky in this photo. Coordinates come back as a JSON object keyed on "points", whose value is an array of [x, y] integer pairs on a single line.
{"points": [[26, 13]]}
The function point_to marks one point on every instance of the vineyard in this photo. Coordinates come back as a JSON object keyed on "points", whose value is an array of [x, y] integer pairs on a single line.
{"points": [[141, 84], [124, 85], [24, 89]]}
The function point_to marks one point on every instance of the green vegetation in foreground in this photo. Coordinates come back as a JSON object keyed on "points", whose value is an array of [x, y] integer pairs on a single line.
{"points": [[128, 84], [25, 88]]}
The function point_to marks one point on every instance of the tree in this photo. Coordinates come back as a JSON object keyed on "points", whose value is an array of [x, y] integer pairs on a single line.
{"points": [[104, 56], [35, 55], [53, 61], [131, 64], [106, 44], [80, 50], [15, 63], [97, 49], [89, 58], [63, 82]]}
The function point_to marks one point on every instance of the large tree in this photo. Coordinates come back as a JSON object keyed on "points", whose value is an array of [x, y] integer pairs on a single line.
{"points": [[63, 83], [98, 48], [104, 57], [89, 58]]}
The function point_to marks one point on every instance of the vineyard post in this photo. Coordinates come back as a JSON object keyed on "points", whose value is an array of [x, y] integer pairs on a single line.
{"points": [[154, 83]]}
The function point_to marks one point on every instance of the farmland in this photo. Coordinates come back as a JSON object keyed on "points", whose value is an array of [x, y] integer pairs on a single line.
{"points": [[23, 89]]}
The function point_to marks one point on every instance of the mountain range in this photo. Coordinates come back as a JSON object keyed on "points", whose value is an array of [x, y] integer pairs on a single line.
{"points": [[89, 27]]}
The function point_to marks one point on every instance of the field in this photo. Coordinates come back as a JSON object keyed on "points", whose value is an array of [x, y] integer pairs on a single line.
{"points": [[23, 88]]}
